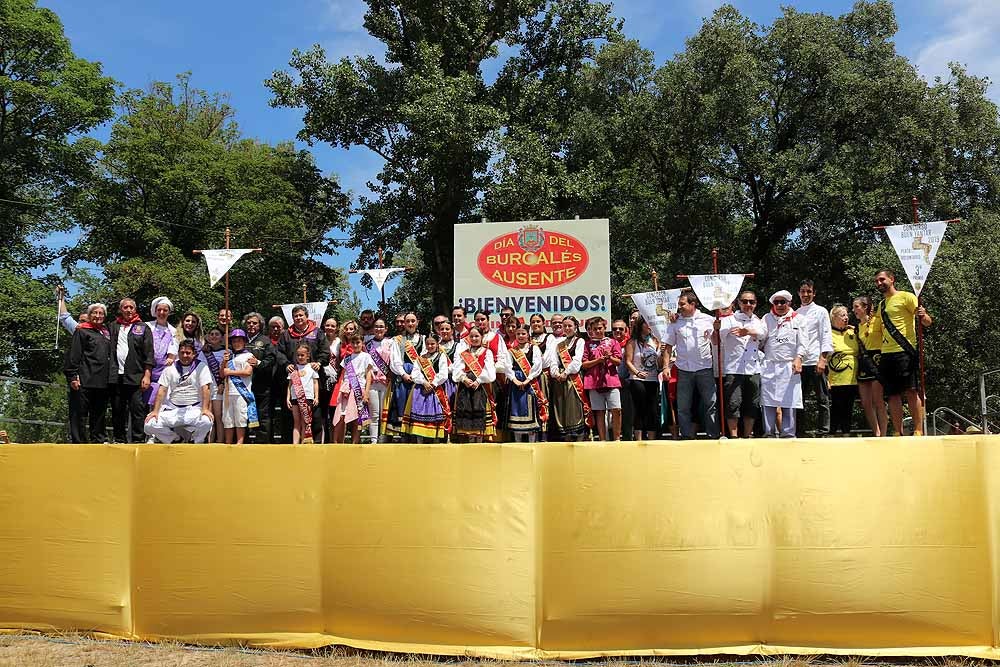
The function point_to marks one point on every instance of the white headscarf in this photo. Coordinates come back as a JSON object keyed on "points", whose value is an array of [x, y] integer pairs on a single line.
{"points": [[157, 301]]}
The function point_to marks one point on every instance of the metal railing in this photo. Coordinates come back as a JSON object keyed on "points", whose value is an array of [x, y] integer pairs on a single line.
{"points": [[943, 410], [32, 407], [984, 411]]}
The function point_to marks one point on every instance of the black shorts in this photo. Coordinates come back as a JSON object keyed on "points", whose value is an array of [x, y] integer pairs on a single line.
{"points": [[898, 372], [742, 394]]}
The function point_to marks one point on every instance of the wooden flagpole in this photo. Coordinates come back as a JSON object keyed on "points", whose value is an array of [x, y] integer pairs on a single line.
{"points": [[721, 402], [381, 303]]}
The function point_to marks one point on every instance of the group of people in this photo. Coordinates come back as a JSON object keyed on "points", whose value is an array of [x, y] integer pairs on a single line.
{"points": [[466, 381]]}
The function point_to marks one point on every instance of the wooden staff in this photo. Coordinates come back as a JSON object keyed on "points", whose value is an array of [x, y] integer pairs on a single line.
{"points": [[656, 285], [225, 340], [721, 412]]}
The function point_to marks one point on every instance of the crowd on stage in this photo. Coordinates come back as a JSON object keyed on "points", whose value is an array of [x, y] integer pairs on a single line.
{"points": [[531, 379]]}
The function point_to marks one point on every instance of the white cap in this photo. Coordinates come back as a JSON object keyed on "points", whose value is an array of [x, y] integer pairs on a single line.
{"points": [[157, 301], [781, 294]]}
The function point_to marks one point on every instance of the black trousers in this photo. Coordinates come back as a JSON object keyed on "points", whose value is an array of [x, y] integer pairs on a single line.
{"points": [[128, 412], [814, 383], [842, 409], [262, 434], [91, 410]]}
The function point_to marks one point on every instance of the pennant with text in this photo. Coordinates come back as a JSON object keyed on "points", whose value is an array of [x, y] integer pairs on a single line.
{"points": [[379, 276], [656, 308], [316, 311], [917, 246], [220, 261], [717, 290]]}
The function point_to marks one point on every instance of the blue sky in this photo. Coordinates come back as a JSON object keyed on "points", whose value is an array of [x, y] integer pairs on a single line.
{"points": [[233, 47]]}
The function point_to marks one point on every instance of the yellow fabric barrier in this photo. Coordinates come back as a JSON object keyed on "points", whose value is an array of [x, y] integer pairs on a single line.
{"points": [[874, 547]]}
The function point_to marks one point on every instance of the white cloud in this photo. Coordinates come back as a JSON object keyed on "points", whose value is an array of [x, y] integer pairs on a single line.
{"points": [[343, 21], [968, 36]]}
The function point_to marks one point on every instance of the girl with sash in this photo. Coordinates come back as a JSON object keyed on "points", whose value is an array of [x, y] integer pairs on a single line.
{"points": [[190, 329], [401, 380], [428, 412], [449, 346], [211, 354], [164, 344], [302, 398], [568, 399], [240, 410], [474, 372], [350, 396], [379, 349], [543, 340], [493, 340], [527, 409]]}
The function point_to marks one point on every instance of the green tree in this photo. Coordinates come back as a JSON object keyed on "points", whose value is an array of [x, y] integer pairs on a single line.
{"points": [[429, 111], [173, 175]]}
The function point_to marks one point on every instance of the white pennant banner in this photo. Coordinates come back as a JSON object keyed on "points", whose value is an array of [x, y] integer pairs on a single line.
{"points": [[379, 276], [717, 290], [316, 311], [656, 308], [220, 261], [917, 246]]}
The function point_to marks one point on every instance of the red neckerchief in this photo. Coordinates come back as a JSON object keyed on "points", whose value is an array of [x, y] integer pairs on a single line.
{"points": [[135, 318], [786, 318], [310, 327], [102, 329], [274, 339]]}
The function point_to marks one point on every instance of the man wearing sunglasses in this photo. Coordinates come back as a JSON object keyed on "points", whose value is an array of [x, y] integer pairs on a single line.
{"points": [[781, 373], [619, 331], [741, 364], [817, 337]]}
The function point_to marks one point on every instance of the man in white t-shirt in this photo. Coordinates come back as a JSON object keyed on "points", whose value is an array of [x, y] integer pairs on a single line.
{"points": [[817, 339], [183, 406], [692, 336]]}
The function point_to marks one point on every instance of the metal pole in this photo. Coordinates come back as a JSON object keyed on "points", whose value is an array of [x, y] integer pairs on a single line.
{"points": [[982, 402], [920, 342], [723, 424]]}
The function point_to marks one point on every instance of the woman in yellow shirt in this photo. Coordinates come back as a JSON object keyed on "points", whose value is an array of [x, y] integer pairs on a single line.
{"points": [[869, 388], [843, 371]]}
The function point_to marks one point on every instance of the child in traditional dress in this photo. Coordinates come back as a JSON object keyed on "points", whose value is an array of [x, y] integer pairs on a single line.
{"points": [[302, 397], [570, 408], [380, 349], [473, 372], [523, 417], [350, 396], [428, 414]]}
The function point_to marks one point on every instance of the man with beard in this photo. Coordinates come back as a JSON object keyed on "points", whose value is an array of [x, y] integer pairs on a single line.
{"points": [[899, 366], [130, 372], [366, 322], [817, 338], [263, 362]]}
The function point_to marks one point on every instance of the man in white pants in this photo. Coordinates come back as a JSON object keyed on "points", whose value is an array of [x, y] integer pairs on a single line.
{"points": [[183, 407]]}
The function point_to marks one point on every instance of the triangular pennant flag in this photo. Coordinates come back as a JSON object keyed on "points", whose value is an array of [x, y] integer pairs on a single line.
{"points": [[379, 276], [656, 307], [717, 290], [220, 261], [917, 246], [316, 311]]}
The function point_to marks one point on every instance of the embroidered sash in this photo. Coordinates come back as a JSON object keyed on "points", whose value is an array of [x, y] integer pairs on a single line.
{"points": [[252, 420], [564, 356], [521, 359], [359, 399], [427, 368], [474, 368], [213, 365], [380, 363], [305, 410]]}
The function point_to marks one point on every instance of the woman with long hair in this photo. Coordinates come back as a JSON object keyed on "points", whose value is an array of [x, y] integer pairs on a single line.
{"points": [[644, 362], [570, 409], [869, 348]]}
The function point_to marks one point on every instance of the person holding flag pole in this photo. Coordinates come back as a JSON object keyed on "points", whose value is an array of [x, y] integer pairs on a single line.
{"points": [[219, 261]]}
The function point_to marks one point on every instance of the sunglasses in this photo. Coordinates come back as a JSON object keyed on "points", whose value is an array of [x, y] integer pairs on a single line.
{"points": [[618, 328], [779, 302], [748, 302]]}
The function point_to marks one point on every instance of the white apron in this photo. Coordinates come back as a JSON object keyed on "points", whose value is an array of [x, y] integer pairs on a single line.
{"points": [[779, 386]]}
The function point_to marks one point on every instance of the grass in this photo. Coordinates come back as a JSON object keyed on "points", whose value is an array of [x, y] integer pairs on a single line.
{"points": [[31, 650]]}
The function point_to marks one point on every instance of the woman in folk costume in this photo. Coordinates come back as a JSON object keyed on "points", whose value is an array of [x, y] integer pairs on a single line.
{"points": [[428, 412], [568, 398], [164, 344], [404, 350], [472, 372], [211, 354], [527, 409], [351, 395], [781, 374], [493, 340], [543, 340], [380, 350], [449, 346]]}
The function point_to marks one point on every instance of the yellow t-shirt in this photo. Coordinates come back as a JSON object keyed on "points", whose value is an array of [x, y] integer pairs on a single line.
{"points": [[871, 337], [843, 366], [902, 309]]}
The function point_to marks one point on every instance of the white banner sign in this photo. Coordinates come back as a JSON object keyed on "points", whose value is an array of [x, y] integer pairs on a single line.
{"points": [[379, 276], [220, 261], [917, 246], [316, 311], [717, 290], [546, 267], [656, 308]]}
